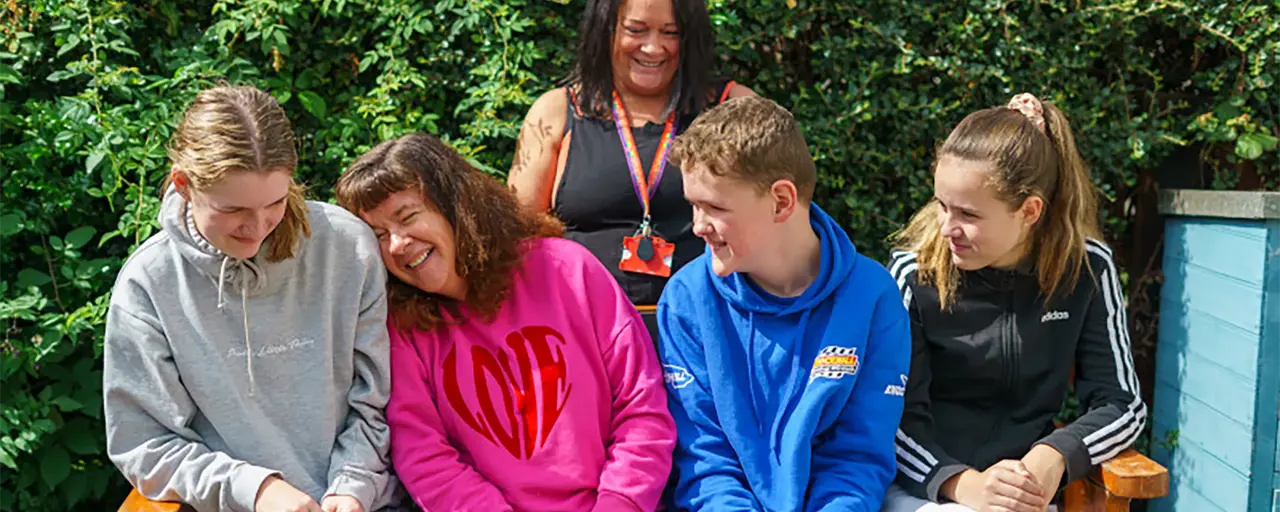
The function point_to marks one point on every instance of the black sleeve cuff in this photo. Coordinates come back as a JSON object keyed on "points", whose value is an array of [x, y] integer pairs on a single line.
{"points": [[1073, 451]]}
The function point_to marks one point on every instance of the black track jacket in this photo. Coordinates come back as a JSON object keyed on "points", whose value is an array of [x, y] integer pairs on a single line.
{"points": [[989, 375]]}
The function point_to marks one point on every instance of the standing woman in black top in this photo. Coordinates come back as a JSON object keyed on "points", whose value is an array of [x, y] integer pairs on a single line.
{"points": [[593, 152]]}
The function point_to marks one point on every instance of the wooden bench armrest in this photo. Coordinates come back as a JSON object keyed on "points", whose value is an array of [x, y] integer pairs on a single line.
{"points": [[1133, 475], [136, 502]]}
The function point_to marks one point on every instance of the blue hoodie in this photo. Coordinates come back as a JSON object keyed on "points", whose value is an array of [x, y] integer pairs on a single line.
{"points": [[786, 404]]}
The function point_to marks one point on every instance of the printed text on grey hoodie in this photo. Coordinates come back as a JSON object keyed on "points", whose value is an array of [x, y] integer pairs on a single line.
{"points": [[219, 372]]}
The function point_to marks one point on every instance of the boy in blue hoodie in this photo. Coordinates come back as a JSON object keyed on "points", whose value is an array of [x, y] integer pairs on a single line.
{"points": [[786, 352]]}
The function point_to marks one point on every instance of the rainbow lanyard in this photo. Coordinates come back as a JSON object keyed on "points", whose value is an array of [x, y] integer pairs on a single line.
{"points": [[644, 188]]}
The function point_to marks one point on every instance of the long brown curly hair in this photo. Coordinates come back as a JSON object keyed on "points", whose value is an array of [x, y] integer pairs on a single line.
{"points": [[489, 225]]}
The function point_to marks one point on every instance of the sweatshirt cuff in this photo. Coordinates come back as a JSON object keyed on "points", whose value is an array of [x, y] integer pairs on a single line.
{"points": [[1073, 451], [612, 502], [248, 480], [347, 484], [940, 477]]}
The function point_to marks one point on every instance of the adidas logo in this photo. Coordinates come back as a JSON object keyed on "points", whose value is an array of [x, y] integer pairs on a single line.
{"points": [[1054, 315]]}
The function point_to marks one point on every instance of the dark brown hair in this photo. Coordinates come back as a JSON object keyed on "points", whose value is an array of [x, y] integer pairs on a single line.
{"points": [[592, 70], [230, 129], [1026, 162], [751, 139], [489, 225]]}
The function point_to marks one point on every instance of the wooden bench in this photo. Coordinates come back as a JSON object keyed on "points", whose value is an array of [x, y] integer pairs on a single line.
{"points": [[138, 503], [1110, 488]]}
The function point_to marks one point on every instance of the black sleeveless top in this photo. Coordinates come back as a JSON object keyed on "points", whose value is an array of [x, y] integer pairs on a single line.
{"points": [[598, 204]]}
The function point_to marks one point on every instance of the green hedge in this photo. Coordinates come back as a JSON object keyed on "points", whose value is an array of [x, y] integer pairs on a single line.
{"points": [[92, 89]]}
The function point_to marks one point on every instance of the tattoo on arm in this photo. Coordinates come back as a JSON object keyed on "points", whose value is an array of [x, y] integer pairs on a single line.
{"points": [[534, 134]]}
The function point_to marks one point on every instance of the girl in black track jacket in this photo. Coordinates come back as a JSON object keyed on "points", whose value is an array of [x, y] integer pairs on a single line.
{"points": [[1009, 289]]}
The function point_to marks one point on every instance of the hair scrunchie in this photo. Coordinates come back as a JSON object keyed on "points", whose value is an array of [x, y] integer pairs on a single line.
{"points": [[1029, 106]]}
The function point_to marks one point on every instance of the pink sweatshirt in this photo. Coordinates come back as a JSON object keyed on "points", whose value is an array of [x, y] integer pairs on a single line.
{"points": [[557, 403]]}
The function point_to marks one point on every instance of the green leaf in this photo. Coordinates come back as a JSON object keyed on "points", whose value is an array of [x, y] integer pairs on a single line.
{"points": [[58, 76], [75, 487], [72, 42], [67, 404], [313, 103], [79, 437], [80, 236], [92, 400], [29, 277], [55, 465], [82, 445], [1251, 145], [7, 459], [10, 224], [107, 237], [8, 75], [282, 42], [92, 162]]}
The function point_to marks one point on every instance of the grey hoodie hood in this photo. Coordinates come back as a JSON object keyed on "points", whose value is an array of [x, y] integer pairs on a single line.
{"points": [[220, 372], [245, 277]]}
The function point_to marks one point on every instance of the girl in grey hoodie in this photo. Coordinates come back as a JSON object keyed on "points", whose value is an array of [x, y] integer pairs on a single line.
{"points": [[246, 352]]}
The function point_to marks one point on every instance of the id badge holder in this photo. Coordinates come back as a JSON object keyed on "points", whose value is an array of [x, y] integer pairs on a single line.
{"points": [[647, 253]]}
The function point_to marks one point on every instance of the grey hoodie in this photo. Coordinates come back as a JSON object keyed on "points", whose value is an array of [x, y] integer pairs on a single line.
{"points": [[220, 372]]}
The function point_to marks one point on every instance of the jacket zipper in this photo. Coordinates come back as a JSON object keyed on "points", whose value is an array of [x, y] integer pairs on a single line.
{"points": [[1011, 346], [1007, 354]]}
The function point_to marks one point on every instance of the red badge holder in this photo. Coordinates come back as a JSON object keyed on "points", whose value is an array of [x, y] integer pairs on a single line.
{"points": [[659, 252]]}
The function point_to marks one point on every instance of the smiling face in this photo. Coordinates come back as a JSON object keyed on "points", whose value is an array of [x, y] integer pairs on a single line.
{"points": [[646, 47], [981, 229], [238, 212], [417, 243], [733, 217]]}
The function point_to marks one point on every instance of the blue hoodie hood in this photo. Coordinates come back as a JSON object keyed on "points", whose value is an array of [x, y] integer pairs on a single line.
{"points": [[838, 259]]}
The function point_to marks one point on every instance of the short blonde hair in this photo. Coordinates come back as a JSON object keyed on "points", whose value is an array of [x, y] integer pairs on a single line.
{"points": [[751, 139], [242, 129]]}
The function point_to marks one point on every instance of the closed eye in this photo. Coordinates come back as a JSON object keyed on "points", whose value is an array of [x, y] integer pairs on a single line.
{"points": [[237, 209]]}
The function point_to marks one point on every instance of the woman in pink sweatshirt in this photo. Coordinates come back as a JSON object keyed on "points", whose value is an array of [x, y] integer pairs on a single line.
{"points": [[521, 376]]}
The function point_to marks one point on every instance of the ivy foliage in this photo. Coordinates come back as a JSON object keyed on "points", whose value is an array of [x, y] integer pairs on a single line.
{"points": [[90, 91]]}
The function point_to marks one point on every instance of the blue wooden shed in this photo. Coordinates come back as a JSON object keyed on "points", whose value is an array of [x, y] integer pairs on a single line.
{"points": [[1217, 386]]}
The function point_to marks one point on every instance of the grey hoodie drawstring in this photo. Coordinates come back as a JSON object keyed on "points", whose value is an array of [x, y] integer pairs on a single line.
{"points": [[244, 307], [222, 274]]}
